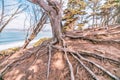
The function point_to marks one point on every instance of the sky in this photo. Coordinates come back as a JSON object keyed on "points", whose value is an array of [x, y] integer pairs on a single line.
{"points": [[18, 22]]}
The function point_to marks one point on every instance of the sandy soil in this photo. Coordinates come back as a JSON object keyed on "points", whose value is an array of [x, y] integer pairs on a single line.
{"points": [[99, 46]]}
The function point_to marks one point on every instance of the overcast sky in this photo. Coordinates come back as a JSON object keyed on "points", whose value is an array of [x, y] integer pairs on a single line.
{"points": [[18, 22]]}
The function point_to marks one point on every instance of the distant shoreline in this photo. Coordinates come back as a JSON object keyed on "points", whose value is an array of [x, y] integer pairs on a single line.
{"points": [[26, 30], [46, 27], [17, 29], [15, 44], [11, 38]]}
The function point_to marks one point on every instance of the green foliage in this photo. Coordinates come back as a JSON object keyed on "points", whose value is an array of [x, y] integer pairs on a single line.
{"points": [[9, 51], [76, 9], [40, 41], [111, 4], [77, 13], [1, 78]]}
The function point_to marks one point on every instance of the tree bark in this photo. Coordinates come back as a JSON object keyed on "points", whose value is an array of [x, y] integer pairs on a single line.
{"points": [[53, 9], [37, 29]]}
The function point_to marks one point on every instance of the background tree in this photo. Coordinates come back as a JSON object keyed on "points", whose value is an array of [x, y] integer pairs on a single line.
{"points": [[74, 15], [94, 9], [109, 11]]}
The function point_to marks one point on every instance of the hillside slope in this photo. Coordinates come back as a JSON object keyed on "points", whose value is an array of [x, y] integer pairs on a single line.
{"points": [[92, 54]]}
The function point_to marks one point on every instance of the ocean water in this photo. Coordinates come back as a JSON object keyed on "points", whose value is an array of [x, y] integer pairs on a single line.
{"points": [[13, 38]]}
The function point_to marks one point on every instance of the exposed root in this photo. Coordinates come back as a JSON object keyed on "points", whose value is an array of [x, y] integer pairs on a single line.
{"points": [[82, 58], [83, 53], [49, 60], [70, 67], [117, 26], [5, 59], [49, 57], [33, 62], [100, 67], [94, 41], [8, 66], [3, 71], [95, 55], [68, 61], [65, 72], [85, 67], [29, 53]]}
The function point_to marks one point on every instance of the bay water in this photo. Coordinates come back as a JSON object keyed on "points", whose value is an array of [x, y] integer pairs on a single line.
{"points": [[13, 38]]}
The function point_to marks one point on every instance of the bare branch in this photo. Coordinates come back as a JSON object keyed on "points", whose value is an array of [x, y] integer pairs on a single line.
{"points": [[2, 14], [17, 11], [36, 30]]}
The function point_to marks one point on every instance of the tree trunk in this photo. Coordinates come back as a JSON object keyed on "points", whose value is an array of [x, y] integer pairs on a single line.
{"points": [[55, 19], [53, 9]]}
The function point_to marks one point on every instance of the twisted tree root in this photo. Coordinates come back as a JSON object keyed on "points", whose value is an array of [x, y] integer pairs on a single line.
{"points": [[49, 62], [49, 56], [85, 67], [95, 55], [68, 61], [75, 54], [94, 41], [2, 72], [70, 67], [7, 67], [100, 67], [83, 53]]}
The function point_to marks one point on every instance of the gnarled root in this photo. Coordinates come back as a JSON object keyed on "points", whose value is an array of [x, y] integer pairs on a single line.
{"points": [[80, 56]]}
